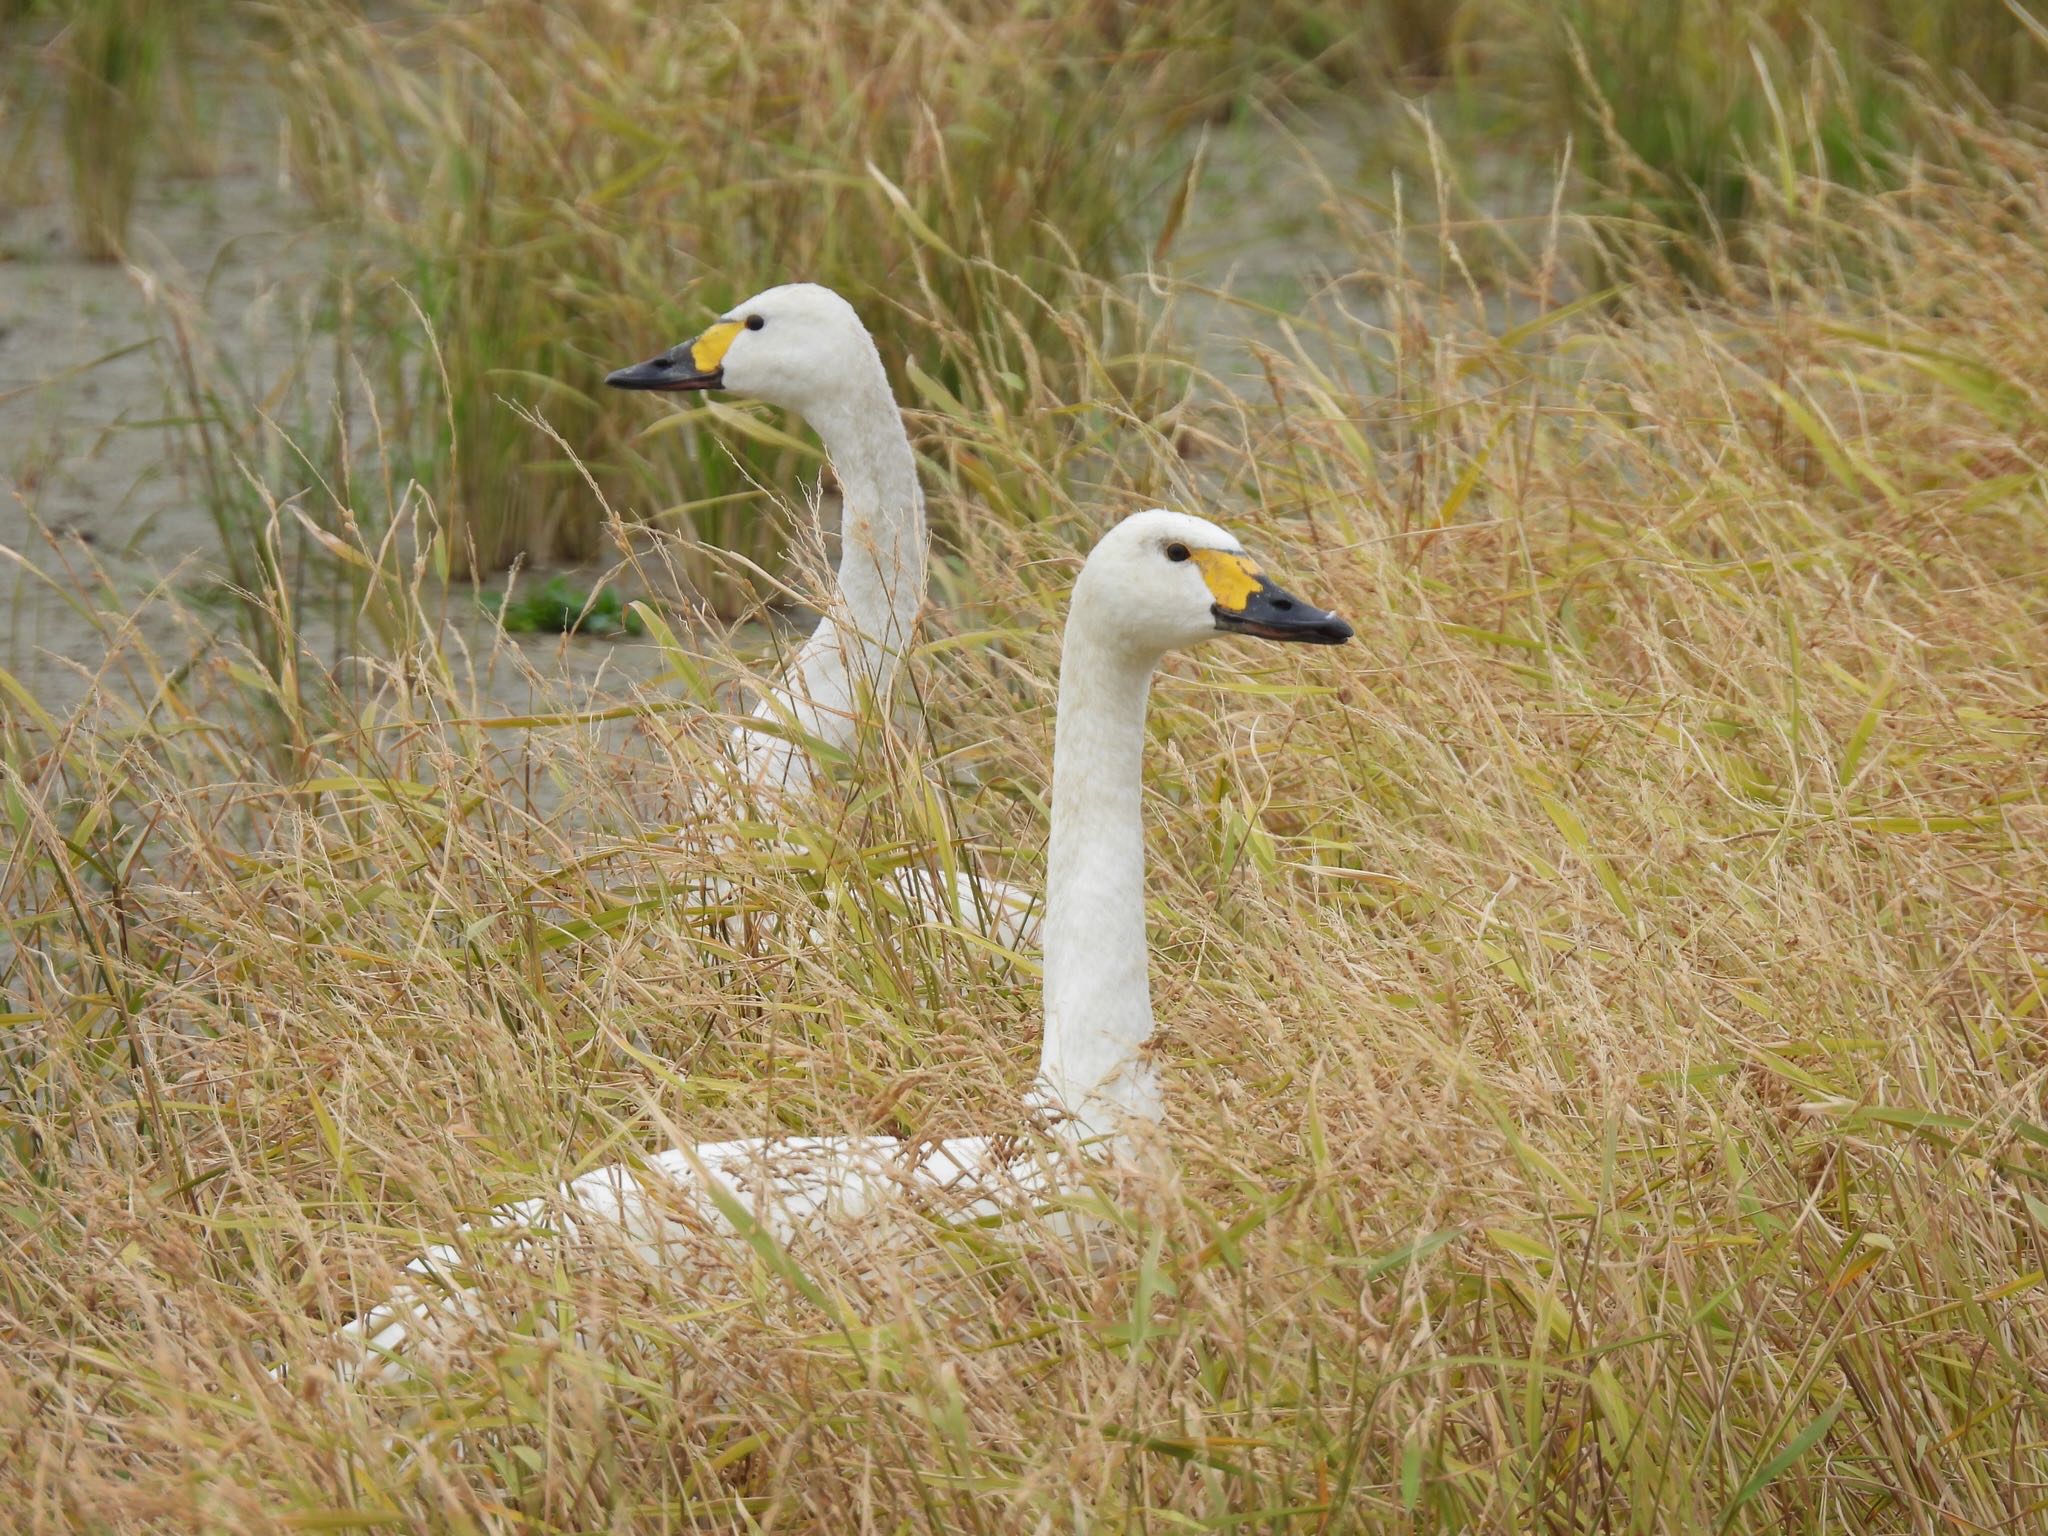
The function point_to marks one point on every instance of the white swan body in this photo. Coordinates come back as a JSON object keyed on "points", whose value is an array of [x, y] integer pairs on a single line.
{"points": [[678, 1208], [1156, 582], [804, 348]]}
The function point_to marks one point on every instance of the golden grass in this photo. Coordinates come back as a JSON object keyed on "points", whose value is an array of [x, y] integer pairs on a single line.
{"points": [[1602, 1008]]}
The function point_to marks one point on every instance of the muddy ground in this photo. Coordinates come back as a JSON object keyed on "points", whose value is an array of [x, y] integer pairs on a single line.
{"points": [[106, 543]]}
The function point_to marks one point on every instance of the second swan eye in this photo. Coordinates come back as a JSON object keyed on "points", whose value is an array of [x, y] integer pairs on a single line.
{"points": [[755, 322], [1176, 552]]}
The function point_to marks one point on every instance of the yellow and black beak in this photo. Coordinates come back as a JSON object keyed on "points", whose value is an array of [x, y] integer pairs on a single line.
{"points": [[698, 364], [1246, 602]]}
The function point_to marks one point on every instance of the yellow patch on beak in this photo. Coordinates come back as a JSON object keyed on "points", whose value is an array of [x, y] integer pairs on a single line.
{"points": [[1232, 579], [709, 350]]}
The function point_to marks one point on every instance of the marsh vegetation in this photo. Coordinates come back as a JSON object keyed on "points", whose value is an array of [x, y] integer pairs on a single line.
{"points": [[1605, 1009]]}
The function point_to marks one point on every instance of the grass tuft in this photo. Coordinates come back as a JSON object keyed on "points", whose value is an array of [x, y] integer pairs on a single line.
{"points": [[113, 55]]}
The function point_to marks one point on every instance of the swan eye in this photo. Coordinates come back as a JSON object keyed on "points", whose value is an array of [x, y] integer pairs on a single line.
{"points": [[1176, 552], [755, 322]]}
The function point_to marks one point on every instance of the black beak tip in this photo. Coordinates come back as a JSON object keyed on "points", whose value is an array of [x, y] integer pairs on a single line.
{"points": [[645, 375], [1274, 614], [1309, 629], [663, 373]]}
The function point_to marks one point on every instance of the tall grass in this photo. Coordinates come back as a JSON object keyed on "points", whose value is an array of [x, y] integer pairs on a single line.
{"points": [[22, 109], [192, 95], [1603, 1011], [113, 55], [1673, 106], [927, 156], [921, 158], [277, 458]]}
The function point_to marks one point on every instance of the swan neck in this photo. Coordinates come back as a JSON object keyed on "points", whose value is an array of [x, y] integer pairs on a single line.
{"points": [[1098, 999], [858, 646], [882, 545]]}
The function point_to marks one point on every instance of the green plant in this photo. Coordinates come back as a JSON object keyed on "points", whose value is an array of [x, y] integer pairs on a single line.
{"points": [[1679, 111], [192, 86], [23, 105], [561, 607], [113, 54]]}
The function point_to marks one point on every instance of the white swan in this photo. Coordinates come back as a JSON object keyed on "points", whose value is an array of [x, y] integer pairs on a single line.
{"points": [[1157, 582], [802, 347]]}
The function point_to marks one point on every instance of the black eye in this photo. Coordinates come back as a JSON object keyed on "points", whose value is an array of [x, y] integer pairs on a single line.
{"points": [[755, 322], [1176, 552]]}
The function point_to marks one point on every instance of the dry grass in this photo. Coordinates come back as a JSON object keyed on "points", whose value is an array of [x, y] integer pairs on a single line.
{"points": [[1602, 1008]]}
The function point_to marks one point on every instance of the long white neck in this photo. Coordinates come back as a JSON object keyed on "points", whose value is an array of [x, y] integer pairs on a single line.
{"points": [[859, 643], [1098, 998], [882, 544]]}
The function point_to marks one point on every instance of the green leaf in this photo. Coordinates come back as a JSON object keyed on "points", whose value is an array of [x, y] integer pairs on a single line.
{"points": [[1859, 739], [1199, 1452], [1797, 1447], [1410, 1253], [916, 225], [1573, 830]]}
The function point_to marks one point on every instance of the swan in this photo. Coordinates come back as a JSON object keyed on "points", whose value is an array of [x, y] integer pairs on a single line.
{"points": [[1158, 581], [803, 347]]}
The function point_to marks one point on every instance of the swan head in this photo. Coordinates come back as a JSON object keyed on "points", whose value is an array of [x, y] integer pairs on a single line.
{"points": [[1161, 581], [798, 346]]}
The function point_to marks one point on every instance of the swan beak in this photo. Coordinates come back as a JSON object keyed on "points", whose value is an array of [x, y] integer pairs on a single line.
{"points": [[1273, 613], [696, 364]]}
